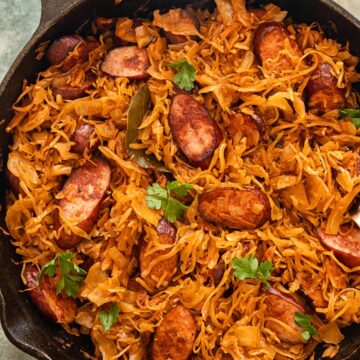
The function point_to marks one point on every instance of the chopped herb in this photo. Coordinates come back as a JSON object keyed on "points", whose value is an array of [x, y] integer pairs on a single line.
{"points": [[354, 114], [159, 198], [304, 321], [109, 318], [179, 189], [185, 77], [249, 268], [72, 275]]}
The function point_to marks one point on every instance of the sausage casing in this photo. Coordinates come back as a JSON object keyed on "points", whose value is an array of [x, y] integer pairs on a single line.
{"points": [[345, 247], [195, 132], [283, 308], [56, 307], [80, 55], [270, 39], [61, 86], [81, 138], [246, 208], [322, 91], [83, 193], [128, 61], [61, 47], [174, 338]]}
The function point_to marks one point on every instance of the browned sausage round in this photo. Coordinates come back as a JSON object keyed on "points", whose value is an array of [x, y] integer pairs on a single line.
{"points": [[128, 61], [68, 92], [166, 235], [283, 308], [83, 193], [174, 338], [60, 48], [345, 247], [56, 307], [322, 91], [246, 208], [253, 127], [189, 16], [81, 55], [81, 138], [60, 86], [269, 40], [195, 132]]}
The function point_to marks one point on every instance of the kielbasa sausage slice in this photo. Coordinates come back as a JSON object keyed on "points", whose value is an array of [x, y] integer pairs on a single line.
{"points": [[283, 308], [269, 40], [195, 132], [128, 61], [81, 55], [56, 307], [61, 86], [174, 338], [246, 208], [81, 138], [83, 193], [322, 91], [345, 247], [61, 47]]}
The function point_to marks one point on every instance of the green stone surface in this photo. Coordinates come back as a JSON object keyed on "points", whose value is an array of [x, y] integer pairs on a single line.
{"points": [[18, 22]]}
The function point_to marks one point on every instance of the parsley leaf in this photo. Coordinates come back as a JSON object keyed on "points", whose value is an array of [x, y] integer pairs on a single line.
{"points": [[248, 268], [185, 77], [159, 198], [354, 114], [156, 189], [49, 269], [304, 321], [174, 209], [109, 318], [72, 275], [179, 189]]}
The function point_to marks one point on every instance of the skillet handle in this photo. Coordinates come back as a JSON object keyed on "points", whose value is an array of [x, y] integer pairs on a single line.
{"points": [[52, 9]]}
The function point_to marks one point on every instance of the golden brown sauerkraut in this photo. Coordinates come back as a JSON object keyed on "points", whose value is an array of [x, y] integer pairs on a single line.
{"points": [[300, 163]]}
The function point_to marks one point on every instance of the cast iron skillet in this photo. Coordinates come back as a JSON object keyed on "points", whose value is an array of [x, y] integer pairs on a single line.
{"points": [[23, 324]]}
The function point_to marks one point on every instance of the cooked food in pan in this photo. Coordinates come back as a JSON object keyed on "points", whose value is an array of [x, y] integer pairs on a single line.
{"points": [[184, 187]]}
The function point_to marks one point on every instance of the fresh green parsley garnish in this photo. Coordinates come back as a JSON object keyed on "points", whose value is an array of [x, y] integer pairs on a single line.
{"points": [[72, 275], [109, 318], [354, 114], [159, 198], [249, 268], [185, 77], [304, 321]]}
